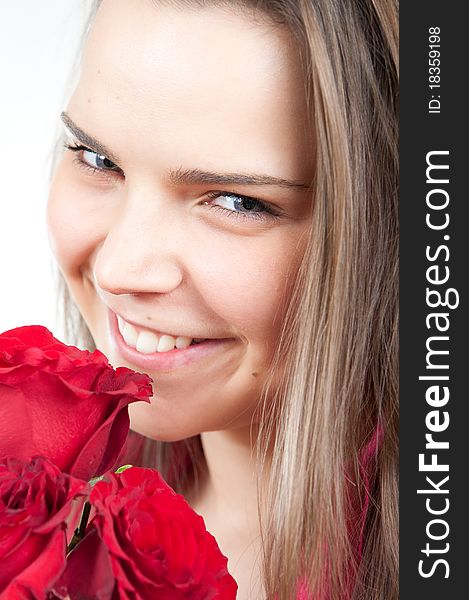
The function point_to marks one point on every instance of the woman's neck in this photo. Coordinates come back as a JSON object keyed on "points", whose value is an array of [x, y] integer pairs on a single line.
{"points": [[228, 503], [231, 471]]}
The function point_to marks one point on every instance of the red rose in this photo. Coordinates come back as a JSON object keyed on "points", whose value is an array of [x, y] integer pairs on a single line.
{"points": [[145, 542], [35, 500], [63, 403]]}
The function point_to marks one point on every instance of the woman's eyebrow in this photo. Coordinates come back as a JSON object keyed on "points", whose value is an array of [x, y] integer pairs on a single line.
{"points": [[86, 139], [181, 176], [197, 176]]}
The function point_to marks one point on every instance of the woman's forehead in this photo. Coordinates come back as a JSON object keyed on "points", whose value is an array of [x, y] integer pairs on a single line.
{"points": [[212, 76], [186, 47]]}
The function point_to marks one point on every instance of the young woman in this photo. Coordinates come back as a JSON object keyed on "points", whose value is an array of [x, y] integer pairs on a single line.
{"points": [[224, 217]]}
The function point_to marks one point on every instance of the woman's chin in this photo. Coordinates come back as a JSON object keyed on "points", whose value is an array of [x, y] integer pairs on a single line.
{"points": [[156, 425]]}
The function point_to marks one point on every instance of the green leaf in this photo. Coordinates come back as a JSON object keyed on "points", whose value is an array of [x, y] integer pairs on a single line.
{"points": [[123, 468], [94, 481]]}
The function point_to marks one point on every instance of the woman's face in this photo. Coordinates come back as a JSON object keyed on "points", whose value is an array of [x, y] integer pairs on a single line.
{"points": [[187, 212]]}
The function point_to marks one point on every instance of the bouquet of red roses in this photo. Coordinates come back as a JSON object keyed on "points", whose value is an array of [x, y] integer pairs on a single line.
{"points": [[63, 423]]}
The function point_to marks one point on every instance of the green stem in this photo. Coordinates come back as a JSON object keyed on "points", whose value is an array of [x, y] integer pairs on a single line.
{"points": [[79, 532]]}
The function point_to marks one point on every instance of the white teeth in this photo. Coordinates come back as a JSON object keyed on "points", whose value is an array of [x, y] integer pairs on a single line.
{"points": [[130, 334], [183, 342], [166, 343], [147, 342]]}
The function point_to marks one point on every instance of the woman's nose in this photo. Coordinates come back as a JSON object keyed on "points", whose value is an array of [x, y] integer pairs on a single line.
{"points": [[141, 251]]}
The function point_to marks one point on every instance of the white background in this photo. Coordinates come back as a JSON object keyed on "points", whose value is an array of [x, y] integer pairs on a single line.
{"points": [[38, 43]]}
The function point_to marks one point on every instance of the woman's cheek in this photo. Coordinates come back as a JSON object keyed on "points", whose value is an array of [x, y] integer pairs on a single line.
{"points": [[75, 226], [244, 280]]}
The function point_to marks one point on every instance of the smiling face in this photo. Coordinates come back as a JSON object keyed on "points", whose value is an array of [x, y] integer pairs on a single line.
{"points": [[186, 213]]}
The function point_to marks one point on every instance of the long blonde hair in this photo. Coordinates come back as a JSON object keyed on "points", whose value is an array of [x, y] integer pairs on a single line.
{"points": [[338, 388]]}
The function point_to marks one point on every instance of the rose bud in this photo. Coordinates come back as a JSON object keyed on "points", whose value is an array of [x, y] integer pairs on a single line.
{"points": [[145, 541], [63, 403], [35, 501]]}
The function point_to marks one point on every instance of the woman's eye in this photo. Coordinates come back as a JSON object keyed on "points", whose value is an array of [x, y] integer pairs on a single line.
{"points": [[229, 203], [240, 206], [98, 161], [89, 159]]}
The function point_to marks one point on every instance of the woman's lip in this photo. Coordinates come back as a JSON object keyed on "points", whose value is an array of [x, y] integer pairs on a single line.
{"points": [[161, 361]]}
